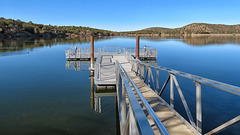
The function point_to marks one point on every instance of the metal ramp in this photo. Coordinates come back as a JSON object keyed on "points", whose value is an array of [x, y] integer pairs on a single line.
{"points": [[140, 106], [136, 99]]}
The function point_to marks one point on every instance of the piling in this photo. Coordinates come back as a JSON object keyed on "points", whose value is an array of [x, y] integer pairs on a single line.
{"points": [[137, 47]]}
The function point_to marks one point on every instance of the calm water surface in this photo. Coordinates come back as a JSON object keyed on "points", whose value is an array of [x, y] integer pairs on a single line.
{"points": [[38, 95]]}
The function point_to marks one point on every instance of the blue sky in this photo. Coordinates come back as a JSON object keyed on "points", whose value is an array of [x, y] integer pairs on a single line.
{"points": [[122, 15]]}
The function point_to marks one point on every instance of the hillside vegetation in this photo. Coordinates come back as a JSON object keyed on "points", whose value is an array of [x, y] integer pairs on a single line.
{"points": [[10, 28], [194, 28]]}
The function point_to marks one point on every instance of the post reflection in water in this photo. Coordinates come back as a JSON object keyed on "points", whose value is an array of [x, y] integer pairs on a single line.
{"points": [[92, 89], [152, 62], [99, 95], [100, 92], [96, 93], [106, 91], [211, 57], [77, 65]]}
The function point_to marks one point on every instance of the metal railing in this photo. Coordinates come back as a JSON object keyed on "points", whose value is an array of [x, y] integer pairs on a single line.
{"points": [[145, 72], [143, 52], [86, 52], [131, 116], [98, 67], [112, 49], [81, 52]]}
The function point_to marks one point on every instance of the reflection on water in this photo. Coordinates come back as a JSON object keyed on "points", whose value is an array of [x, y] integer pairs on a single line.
{"points": [[40, 93], [9, 52], [8, 45], [77, 65], [99, 96], [207, 40], [22, 44], [152, 62], [200, 40], [84, 65]]}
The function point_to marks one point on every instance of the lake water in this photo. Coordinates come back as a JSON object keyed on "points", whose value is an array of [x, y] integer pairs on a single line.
{"points": [[39, 95]]}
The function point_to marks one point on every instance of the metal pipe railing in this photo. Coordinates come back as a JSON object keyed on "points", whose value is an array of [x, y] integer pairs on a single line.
{"points": [[98, 67], [138, 67], [112, 49], [156, 120], [81, 52], [86, 52], [131, 116], [143, 52]]}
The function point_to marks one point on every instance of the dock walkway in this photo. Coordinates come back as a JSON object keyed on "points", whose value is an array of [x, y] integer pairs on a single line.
{"points": [[108, 77], [140, 106]]}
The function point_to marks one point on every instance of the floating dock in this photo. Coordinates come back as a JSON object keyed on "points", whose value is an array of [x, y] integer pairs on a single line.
{"points": [[106, 76], [140, 106]]}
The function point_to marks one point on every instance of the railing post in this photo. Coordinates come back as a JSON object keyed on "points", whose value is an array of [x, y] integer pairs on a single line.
{"points": [[137, 47], [149, 76], [123, 105], [92, 53], [99, 71], [157, 80], [171, 91], [142, 71], [198, 107], [138, 69], [133, 129]]}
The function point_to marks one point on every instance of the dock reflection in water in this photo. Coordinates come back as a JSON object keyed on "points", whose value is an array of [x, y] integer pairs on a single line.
{"points": [[78, 65], [98, 94], [38, 85]]}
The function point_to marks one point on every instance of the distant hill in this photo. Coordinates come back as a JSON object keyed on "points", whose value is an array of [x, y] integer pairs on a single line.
{"points": [[10, 28], [194, 28]]}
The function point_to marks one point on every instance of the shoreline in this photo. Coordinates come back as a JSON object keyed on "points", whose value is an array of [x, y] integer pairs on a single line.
{"points": [[49, 36]]}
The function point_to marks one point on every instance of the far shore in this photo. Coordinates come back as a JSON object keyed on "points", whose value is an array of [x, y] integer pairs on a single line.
{"points": [[118, 34], [169, 35]]}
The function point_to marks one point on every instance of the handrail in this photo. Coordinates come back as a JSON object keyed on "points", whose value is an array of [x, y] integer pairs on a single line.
{"points": [[138, 67], [158, 123], [143, 52], [209, 82], [135, 122], [97, 67], [112, 49], [81, 52], [85, 52]]}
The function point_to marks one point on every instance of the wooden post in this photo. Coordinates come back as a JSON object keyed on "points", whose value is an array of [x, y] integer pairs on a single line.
{"points": [[92, 53], [137, 47]]}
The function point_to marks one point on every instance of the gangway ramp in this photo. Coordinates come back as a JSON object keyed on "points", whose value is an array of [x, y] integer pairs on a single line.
{"points": [[108, 77], [140, 106]]}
